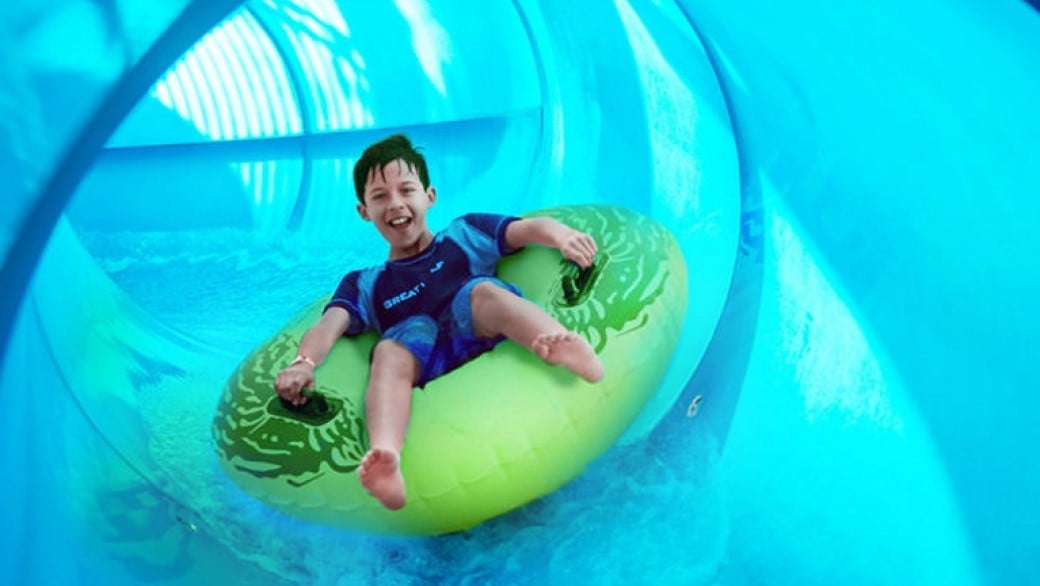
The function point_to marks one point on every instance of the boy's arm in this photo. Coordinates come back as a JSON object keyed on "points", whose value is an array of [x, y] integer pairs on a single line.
{"points": [[318, 340], [314, 347], [575, 245]]}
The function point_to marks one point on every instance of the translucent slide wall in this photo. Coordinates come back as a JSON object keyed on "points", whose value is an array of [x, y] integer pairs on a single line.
{"points": [[852, 398]]}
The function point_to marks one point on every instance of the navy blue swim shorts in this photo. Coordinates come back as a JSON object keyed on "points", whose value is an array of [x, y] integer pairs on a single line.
{"points": [[447, 343]]}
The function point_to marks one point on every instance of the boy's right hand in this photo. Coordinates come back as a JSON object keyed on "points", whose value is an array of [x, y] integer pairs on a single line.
{"points": [[292, 381], [578, 247]]}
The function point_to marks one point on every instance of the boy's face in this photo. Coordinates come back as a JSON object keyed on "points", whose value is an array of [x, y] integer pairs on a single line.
{"points": [[396, 203]]}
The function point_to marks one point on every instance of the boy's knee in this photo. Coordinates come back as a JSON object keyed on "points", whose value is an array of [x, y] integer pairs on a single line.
{"points": [[484, 292], [486, 300], [391, 358]]}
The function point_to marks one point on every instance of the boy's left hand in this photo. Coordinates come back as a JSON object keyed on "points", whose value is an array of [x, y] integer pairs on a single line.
{"points": [[579, 247]]}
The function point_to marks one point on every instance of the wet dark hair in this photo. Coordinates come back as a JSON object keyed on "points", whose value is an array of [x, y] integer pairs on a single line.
{"points": [[386, 151]]}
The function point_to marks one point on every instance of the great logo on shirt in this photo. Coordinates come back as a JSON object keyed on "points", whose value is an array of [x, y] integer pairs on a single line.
{"points": [[404, 295]]}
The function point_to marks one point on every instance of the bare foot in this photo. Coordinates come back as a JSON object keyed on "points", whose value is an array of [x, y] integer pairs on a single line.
{"points": [[571, 351], [380, 474]]}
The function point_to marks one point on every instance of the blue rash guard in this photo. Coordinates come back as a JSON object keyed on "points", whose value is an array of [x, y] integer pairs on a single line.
{"points": [[422, 302]]}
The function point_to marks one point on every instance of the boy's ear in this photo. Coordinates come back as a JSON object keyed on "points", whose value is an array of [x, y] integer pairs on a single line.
{"points": [[431, 192], [362, 211]]}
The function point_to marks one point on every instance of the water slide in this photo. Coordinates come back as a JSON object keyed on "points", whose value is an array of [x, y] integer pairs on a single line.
{"points": [[851, 399]]}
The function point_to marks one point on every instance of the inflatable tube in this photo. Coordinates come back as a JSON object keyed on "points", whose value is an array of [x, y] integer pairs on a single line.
{"points": [[498, 432]]}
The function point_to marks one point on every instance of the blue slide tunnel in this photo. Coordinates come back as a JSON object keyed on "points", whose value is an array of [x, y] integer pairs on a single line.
{"points": [[854, 188]]}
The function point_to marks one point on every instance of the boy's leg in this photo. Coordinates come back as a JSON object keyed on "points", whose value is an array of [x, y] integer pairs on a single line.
{"points": [[388, 407], [498, 311]]}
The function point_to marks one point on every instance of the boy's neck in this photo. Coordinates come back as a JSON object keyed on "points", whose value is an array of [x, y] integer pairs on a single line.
{"points": [[421, 246]]}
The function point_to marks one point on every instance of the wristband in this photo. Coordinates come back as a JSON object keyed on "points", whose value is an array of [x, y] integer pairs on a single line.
{"points": [[301, 358]]}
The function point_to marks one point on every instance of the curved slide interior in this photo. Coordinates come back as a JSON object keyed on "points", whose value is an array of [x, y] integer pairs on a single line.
{"points": [[854, 189]]}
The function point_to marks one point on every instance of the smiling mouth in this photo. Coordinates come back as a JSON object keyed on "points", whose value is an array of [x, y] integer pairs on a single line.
{"points": [[399, 222]]}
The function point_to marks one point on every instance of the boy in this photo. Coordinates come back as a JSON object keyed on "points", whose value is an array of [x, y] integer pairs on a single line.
{"points": [[435, 303]]}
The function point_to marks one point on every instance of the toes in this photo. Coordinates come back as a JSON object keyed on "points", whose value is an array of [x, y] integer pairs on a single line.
{"points": [[541, 346], [374, 460], [542, 351]]}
